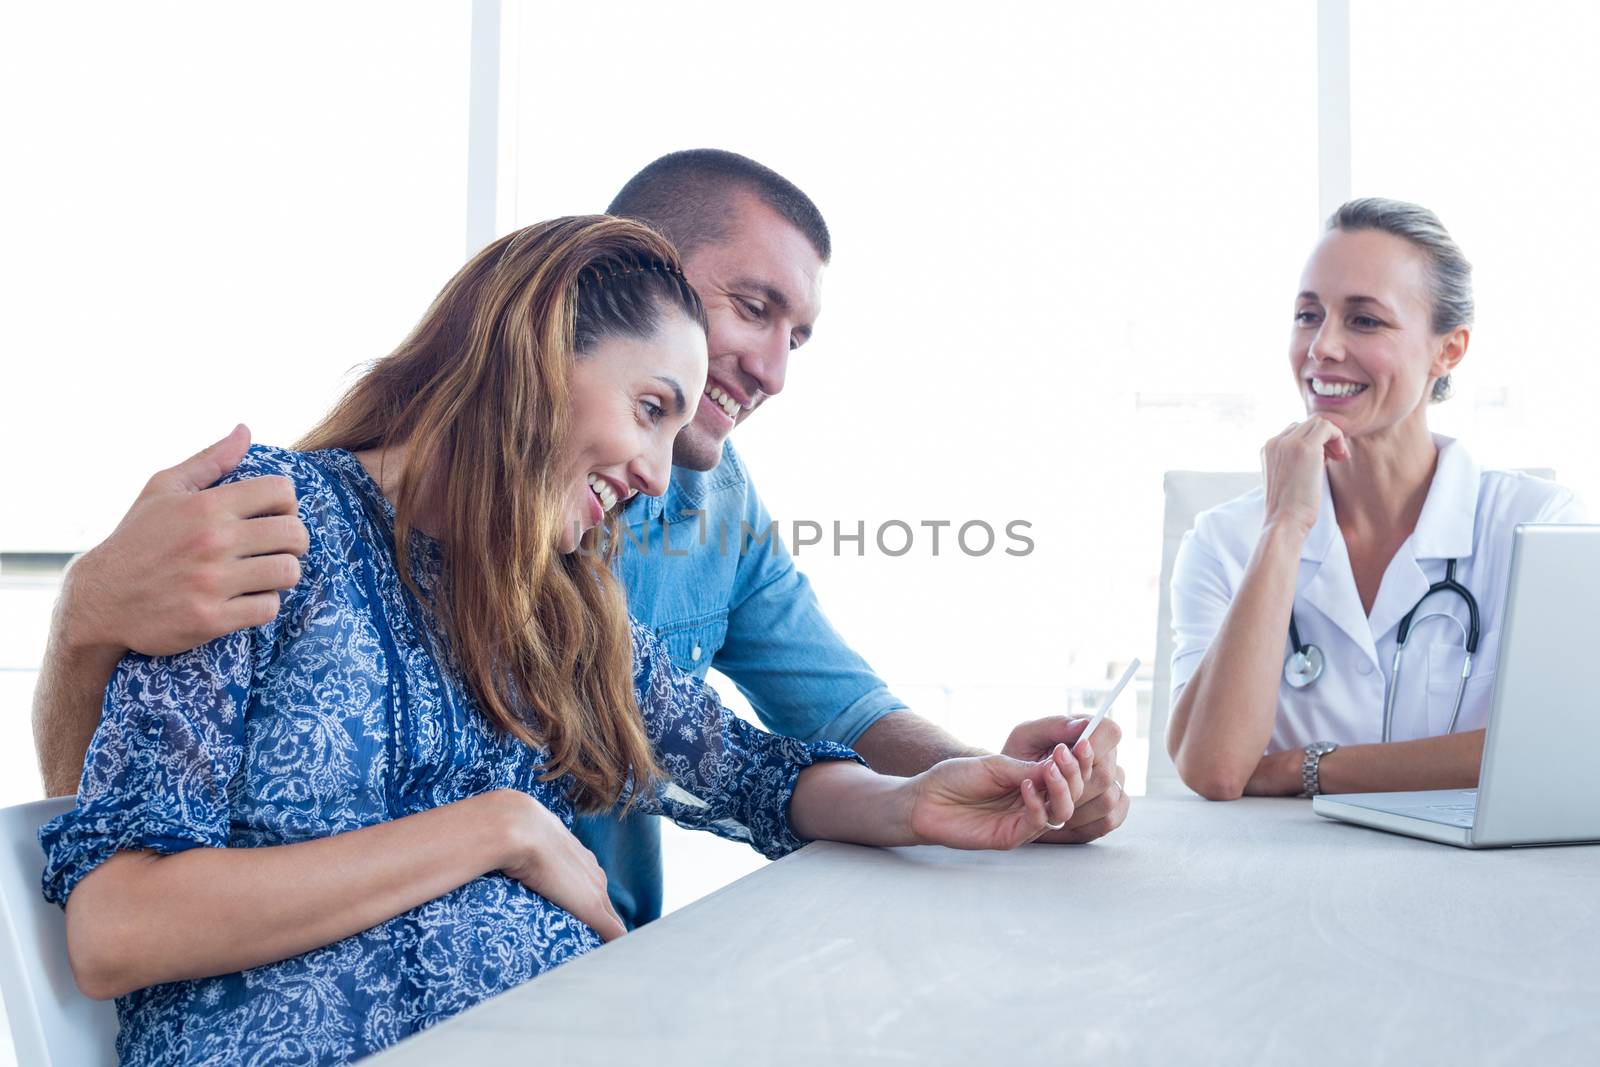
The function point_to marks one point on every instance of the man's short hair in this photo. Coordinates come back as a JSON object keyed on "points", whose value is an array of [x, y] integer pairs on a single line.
{"points": [[686, 195]]}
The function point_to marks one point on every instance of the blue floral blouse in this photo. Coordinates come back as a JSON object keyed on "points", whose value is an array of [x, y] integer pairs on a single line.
{"points": [[339, 714]]}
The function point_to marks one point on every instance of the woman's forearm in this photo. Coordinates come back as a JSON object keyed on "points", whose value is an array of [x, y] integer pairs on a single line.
{"points": [[1223, 719], [141, 919], [843, 801], [1448, 762]]}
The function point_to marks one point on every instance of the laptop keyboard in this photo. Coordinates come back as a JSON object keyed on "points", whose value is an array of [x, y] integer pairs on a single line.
{"points": [[1449, 814]]}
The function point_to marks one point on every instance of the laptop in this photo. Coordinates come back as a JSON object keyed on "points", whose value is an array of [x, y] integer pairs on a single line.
{"points": [[1540, 783]]}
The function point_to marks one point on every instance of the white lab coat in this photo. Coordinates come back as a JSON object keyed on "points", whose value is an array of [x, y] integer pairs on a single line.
{"points": [[1469, 516]]}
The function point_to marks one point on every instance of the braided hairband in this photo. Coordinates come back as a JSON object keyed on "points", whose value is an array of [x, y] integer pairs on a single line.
{"points": [[600, 276]]}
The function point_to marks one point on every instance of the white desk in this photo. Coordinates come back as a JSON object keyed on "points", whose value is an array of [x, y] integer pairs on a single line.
{"points": [[1251, 932]]}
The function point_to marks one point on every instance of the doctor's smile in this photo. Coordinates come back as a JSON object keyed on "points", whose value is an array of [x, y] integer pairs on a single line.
{"points": [[1335, 388]]}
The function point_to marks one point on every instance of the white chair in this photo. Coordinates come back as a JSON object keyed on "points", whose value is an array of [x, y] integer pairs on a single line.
{"points": [[52, 1024], [1188, 493]]}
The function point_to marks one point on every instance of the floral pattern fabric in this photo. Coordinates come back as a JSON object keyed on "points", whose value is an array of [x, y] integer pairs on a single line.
{"points": [[342, 713]]}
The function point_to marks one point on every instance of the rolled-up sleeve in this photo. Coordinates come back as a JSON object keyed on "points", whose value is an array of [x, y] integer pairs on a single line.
{"points": [[798, 673], [170, 740], [722, 774], [156, 776]]}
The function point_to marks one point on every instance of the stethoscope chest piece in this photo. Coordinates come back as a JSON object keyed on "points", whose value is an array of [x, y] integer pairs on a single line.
{"points": [[1305, 662], [1303, 667]]}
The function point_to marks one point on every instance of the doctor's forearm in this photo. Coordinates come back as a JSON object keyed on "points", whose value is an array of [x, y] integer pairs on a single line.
{"points": [[1223, 719], [1448, 762]]}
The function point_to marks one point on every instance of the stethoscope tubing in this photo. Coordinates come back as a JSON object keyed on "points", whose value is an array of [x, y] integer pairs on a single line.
{"points": [[1306, 662]]}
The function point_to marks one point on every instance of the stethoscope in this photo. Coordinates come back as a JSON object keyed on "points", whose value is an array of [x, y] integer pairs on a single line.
{"points": [[1305, 664]]}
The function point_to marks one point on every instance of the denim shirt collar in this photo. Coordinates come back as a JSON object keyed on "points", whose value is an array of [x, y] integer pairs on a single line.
{"points": [[688, 491]]}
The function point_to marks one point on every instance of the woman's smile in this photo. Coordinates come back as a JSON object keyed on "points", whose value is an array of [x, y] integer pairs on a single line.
{"points": [[604, 494], [1332, 394]]}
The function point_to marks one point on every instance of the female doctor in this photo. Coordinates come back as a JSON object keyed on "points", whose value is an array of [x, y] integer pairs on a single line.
{"points": [[1288, 602]]}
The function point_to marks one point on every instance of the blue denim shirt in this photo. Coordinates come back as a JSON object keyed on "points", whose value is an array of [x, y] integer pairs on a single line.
{"points": [[718, 596]]}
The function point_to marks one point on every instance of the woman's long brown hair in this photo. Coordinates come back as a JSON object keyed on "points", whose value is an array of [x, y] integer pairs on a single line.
{"points": [[478, 395]]}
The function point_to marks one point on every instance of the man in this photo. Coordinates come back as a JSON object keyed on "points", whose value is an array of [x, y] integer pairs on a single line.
{"points": [[189, 563]]}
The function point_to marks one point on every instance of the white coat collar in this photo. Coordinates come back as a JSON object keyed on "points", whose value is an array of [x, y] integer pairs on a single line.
{"points": [[1444, 531], [1449, 516]]}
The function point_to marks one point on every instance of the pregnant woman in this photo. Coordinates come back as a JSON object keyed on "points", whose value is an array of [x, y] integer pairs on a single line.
{"points": [[301, 842]]}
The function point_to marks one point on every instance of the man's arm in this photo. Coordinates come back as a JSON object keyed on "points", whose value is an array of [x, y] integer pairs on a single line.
{"points": [[903, 743], [185, 565], [804, 680], [800, 655], [66, 701]]}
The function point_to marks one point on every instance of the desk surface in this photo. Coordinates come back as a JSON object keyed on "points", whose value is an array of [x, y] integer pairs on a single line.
{"points": [[1250, 932]]}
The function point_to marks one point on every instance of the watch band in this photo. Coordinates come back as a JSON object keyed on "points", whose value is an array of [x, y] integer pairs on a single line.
{"points": [[1311, 766]]}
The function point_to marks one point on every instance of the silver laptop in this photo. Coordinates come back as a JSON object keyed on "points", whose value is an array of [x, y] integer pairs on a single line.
{"points": [[1540, 784]]}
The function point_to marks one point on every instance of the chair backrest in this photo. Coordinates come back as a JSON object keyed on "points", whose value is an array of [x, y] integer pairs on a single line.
{"points": [[52, 1023], [1188, 493]]}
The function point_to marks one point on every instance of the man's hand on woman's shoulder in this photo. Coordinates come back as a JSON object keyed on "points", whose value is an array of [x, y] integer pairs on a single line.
{"points": [[187, 563]]}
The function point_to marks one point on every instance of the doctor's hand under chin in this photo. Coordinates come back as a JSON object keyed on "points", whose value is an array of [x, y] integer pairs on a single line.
{"points": [[1291, 471]]}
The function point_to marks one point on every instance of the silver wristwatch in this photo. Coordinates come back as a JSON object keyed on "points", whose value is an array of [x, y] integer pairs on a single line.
{"points": [[1313, 763]]}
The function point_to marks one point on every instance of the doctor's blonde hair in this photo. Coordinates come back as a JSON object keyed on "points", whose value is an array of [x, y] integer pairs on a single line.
{"points": [[1448, 268]]}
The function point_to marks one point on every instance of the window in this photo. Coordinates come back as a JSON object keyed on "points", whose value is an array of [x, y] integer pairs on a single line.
{"points": [[1066, 240], [212, 213], [1487, 119]]}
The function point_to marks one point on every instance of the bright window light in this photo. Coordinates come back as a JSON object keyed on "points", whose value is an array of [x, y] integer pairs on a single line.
{"points": [[212, 212], [1066, 240], [1487, 118]]}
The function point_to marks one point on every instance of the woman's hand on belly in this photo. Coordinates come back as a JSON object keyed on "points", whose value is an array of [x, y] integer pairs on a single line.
{"points": [[545, 857], [140, 919]]}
